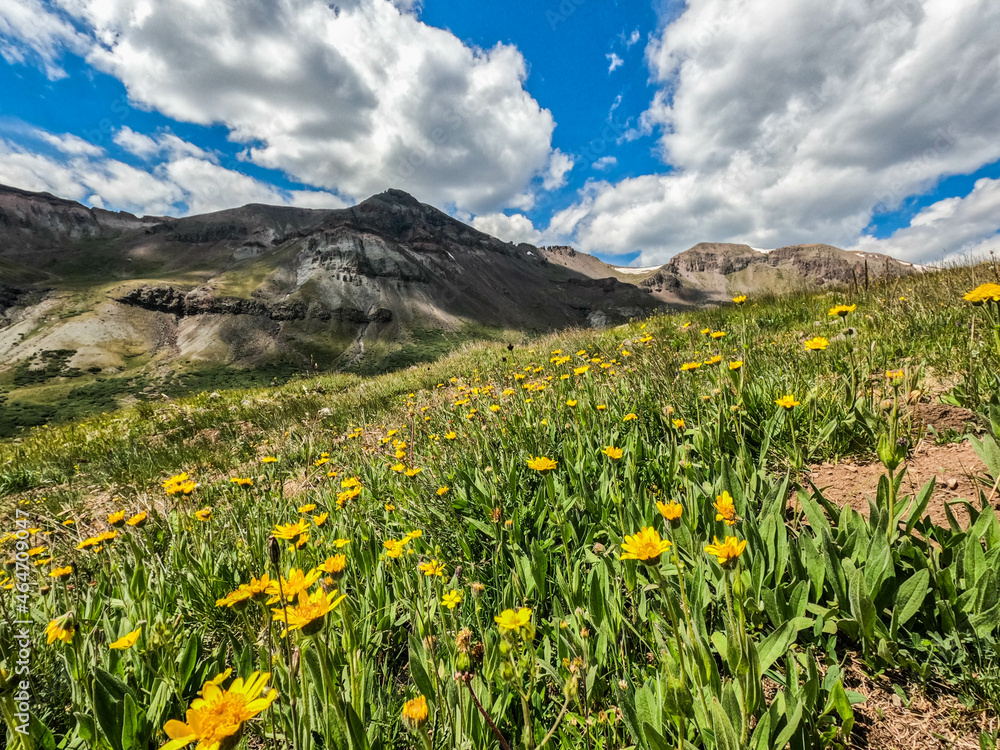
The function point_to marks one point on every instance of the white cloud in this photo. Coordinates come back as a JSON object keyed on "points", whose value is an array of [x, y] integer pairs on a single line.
{"points": [[605, 163], [188, 177], [791, 122], [950, 228], [356, 97], [560, 165], [633, 39], [514, 228], [68, 143], [29, 31], [616, 62]]}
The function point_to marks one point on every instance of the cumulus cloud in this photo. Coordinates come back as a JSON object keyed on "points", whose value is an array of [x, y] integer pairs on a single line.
{"points": [[605, 163], [187, 180], [356, 96], [29, 31], [790, 122], [615, 62], [513, 228], [560, 165], [948, 229]]}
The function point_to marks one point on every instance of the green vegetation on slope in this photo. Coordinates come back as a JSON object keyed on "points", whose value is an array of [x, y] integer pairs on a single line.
{"points": [[640, 586]]}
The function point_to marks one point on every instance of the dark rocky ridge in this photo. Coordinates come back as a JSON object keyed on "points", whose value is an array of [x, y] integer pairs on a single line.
{"points": [[255, 283]]}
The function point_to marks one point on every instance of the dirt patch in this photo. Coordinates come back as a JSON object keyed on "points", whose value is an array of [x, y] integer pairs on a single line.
{"points": [[943, 417], [955, 465], [916, 720]]}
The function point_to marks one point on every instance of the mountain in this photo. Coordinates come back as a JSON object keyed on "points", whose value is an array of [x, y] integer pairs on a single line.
{"points": [[264, 284], [713, 272]]}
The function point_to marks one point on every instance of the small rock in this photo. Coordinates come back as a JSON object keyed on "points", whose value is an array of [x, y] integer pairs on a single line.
{"points": [[951, 483], [214, 395]]}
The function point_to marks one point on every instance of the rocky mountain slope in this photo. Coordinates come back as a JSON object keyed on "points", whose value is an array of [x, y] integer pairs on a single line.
{"points": [[262, 284], [711, 272]]}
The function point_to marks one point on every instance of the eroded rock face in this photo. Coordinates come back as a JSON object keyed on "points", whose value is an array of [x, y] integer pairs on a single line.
{"points": [[167, 299]]}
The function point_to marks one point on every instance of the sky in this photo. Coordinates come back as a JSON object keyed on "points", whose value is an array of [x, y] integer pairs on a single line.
{"points": [[629, 129]]}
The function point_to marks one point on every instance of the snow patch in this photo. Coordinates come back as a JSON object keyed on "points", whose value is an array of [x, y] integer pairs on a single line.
{"points": [[632, 270]]}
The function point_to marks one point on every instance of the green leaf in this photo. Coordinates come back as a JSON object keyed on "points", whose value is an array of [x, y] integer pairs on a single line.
{"points": [[130, 724], [187, 660], [419, 672], [647, 710], [41, 735], [725, 735], [108, 711], [85, 727], [921, 505], [359, 740], [777, 643], [654, 739], [791, 726], [909, 598]]}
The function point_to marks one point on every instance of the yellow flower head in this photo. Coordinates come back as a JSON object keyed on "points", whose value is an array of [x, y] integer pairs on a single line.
{"points": [[630, 417], [646, 546], [218, 715], [816, 344], [983, 293], [269, 460], [728, 551], [432, 568], [61, 629], [242, 481], [713, 360], [670, 511], [138, 520], [415, 713], [679, 424], [61, 572], [787, 402], [510, 621], [542, 464], [841, 311], [412, 472], [581, 370], [307, 508], [451, 599], [205, 514], [309, 612], [725, 510], [297, 582], [718, 334], [127, 641], [117, 518], [291, 531], [740, 299], [893, 374], [736, 365], [334, 565], [687, 366], [613, 453], [450, 435], [443, 490], [320, 519]]}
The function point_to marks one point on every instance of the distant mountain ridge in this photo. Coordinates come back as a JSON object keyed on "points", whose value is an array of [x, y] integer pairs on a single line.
{"points": [[259, 284], [713, 272]]}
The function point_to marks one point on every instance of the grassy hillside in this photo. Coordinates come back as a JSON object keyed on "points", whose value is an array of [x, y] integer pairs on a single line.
{"points": [[596, 539]]}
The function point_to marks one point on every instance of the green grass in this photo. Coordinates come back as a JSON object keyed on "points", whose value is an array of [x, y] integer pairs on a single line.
{"points": [[613, 653]]}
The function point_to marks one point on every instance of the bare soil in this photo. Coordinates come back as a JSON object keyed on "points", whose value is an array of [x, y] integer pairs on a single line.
{"points": [[957, 470], [919, 720]]}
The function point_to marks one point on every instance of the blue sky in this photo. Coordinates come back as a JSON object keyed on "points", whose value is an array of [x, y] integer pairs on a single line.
{"points": [[630, 129]]}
